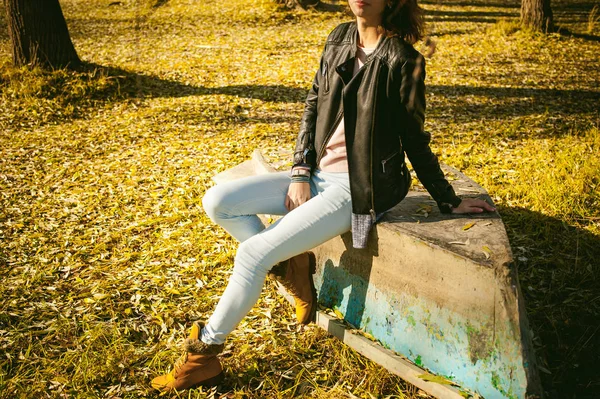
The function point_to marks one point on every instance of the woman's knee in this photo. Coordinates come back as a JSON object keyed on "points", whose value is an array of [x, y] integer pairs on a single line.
{"points": [[213, 203], [253, 256]]}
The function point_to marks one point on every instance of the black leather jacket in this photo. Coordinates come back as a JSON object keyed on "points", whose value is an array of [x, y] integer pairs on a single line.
{"points": [[383, 107]]}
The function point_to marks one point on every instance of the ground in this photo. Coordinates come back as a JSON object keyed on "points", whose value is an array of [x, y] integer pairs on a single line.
{"points": [[106, 255]]}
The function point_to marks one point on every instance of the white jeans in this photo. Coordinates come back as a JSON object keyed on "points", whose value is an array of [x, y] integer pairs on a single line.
{"points": [[234, 206]]}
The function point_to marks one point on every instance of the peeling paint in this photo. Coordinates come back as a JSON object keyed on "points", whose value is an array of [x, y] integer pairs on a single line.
{"points": [[435, 338], [480, 343]]}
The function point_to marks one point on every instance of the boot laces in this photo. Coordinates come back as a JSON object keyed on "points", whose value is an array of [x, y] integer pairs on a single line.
{"points": [[290, 287], [180, 362]]}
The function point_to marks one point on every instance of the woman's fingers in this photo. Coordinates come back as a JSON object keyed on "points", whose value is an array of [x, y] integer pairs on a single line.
{"points": [[488, 207], [473, 205], [481, 205], [298, 193]]}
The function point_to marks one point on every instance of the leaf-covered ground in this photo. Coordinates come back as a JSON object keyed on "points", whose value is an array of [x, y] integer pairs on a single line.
{"points": [[106, 255]]}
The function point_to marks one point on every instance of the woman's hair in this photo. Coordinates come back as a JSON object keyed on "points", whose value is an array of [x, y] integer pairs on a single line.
{"points": [[403, 18]]}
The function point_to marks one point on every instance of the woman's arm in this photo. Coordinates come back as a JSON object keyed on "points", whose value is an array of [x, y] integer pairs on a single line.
{"points": [[416, 144], [415, 139], [304, 154]]}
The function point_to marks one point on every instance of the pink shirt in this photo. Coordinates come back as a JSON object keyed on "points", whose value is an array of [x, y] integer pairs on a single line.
{"points": [[335, 158]]}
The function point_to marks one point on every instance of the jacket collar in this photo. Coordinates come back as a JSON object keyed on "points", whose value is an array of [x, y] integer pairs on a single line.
{"points": [[352, 38]]}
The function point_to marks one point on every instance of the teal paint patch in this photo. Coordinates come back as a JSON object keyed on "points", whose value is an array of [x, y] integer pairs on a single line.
{"points": [[446, 343]]}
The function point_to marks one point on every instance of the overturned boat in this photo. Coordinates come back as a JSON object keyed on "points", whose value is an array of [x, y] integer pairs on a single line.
{"points": [[438, 293]]}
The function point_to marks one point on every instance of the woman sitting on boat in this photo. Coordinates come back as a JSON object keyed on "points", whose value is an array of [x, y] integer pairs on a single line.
{"points": [[363, 114]]}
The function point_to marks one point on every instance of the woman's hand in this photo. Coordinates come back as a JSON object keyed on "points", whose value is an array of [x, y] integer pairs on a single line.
{"points": [[473, 205], [298, 194]]}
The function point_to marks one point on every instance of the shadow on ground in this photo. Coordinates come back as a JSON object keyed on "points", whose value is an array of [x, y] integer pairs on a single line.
{"points": [[513, 101], [560, 278], [495, 102], [134, 85]]}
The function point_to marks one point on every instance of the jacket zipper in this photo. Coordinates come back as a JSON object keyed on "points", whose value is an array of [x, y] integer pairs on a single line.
{"points": [[324, 145], [388, 159], [306, 151], [373, 214], [326, 77]]}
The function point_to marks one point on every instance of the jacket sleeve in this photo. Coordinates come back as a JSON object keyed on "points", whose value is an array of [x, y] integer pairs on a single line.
{"points": [[304, 152], [415, 139]]}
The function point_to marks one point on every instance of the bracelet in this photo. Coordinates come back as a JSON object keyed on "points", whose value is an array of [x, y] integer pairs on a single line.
{"points": [[300, 179], [301, 171]]}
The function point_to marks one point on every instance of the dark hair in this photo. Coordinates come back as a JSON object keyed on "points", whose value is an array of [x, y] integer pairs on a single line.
{"points": [[403, 18]]}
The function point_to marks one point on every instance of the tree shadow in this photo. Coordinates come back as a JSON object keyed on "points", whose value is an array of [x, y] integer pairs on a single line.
{"points": [[440, 33], [511, 101], [330, 7], [135, 85], [560, 274], [470, 15], [99, 85], [568, 33], [480, 3]]}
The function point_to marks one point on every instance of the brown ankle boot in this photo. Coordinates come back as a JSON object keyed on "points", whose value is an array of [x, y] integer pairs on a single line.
{"points": [[198, 366], [295, 274]]}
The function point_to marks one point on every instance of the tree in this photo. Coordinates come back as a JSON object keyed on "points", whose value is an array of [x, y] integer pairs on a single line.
{"points": [[39, 34], [537, 14]]}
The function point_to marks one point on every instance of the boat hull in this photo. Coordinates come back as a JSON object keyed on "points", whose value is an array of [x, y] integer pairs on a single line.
{"points": [[439, 290]]}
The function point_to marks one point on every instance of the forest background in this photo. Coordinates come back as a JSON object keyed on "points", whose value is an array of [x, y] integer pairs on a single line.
{"points": [[106, 255]]}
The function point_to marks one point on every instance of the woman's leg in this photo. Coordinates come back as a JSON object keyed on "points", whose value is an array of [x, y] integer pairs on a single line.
{"points": [[234, 205], [326, 215]]}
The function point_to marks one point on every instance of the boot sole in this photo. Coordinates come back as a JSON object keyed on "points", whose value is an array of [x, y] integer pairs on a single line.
{"points": [[313, 270], [211, 382]]}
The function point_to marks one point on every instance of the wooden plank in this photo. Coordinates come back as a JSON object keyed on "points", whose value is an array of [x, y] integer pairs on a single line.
{"points": [[403, 368], [386, 358]]}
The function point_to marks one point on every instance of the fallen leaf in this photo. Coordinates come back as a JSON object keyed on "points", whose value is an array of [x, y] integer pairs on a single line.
{"points": [[436, 378], [468, 226], [338, 314], [486, 251]]}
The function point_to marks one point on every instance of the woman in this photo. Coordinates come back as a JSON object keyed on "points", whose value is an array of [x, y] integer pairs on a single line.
{"points": [[364, 112]]}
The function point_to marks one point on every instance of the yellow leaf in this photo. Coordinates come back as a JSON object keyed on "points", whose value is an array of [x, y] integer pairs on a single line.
{"points": [[468, 226], [436, 378], [486, 251], [338, 313]]}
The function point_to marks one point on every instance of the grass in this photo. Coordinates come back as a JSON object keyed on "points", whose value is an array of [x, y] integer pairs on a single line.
{"points": [[106, 255], [593, 19]]}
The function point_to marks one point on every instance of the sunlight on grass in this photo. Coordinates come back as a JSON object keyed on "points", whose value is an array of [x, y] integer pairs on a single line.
{"points": [[107, 256]]}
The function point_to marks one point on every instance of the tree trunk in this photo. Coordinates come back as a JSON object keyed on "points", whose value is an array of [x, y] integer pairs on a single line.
{"points": [[537, 14], [39, 34]]}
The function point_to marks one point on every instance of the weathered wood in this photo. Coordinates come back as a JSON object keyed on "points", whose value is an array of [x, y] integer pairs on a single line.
{"points": [[386, 358], [39, 34]]}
